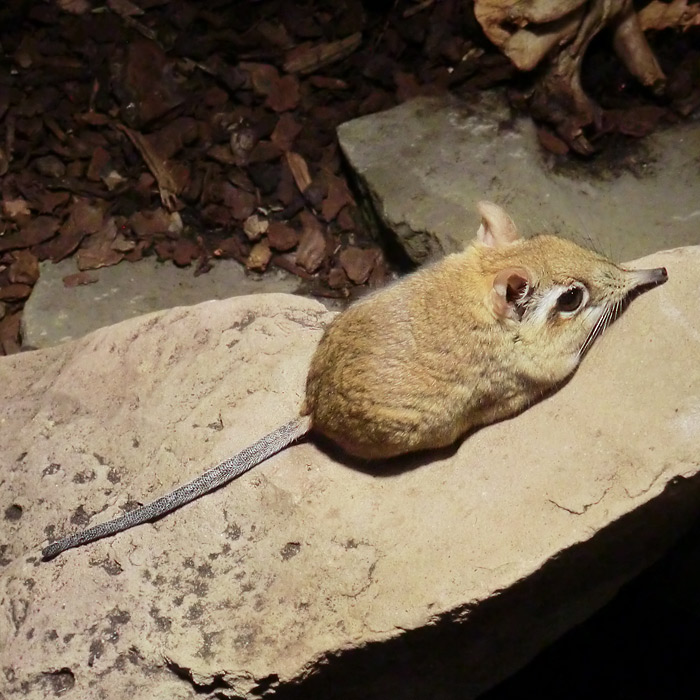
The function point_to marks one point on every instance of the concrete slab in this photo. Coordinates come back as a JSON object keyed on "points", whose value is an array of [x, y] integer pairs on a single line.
{"points": [[425, 164], [56, 313]]}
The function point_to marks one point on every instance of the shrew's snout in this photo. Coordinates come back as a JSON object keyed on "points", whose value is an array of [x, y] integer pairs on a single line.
{"points": [[643, 278]]}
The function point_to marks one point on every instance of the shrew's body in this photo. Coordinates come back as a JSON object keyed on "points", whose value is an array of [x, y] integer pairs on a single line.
{"points": [[474, 338]]}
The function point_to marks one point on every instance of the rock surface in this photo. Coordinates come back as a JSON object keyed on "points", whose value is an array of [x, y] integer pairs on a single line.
{"points": [[425, 164], [55, 313], [429, 577]]}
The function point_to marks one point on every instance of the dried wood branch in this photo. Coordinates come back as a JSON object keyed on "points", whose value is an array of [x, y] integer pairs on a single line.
{"points": [[308, 58]]}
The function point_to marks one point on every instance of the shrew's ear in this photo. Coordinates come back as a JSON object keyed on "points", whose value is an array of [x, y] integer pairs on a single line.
{"points": [[511, 287], [497, 228]]}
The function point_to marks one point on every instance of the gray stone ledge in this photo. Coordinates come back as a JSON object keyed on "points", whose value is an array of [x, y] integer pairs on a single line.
{"points": [[309, 576]]}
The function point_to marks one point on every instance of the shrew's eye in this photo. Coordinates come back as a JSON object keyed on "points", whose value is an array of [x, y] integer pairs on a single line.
{"points": [[570, 300]]}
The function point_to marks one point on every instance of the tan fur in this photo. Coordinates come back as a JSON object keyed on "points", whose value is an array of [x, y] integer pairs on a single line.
{"points": [[416, 365]]}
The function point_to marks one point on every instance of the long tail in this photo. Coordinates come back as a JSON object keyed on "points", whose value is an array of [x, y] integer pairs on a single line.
{"points": [[212, 479]]}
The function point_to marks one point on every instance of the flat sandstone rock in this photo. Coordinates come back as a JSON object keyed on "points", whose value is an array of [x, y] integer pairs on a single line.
{"points": [[433, 576]]}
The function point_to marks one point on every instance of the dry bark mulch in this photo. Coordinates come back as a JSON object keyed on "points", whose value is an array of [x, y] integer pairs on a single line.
{"points": [[196, 131]]}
